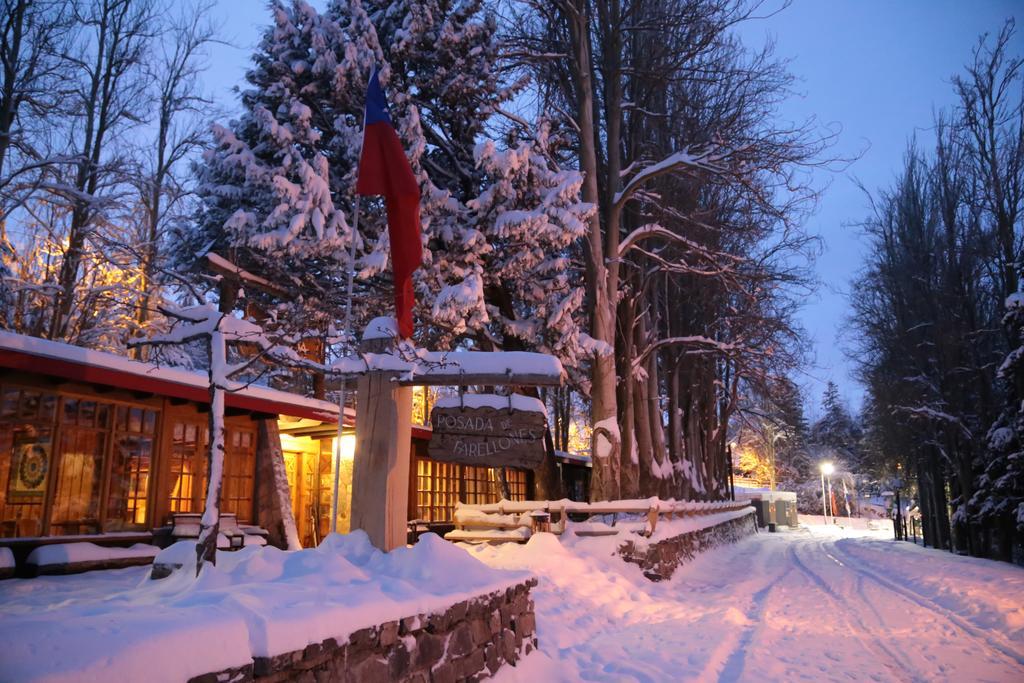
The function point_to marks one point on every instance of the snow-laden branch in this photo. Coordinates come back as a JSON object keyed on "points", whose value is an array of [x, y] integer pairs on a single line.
{"points": [[706, 343], [652, 230], [928, 413], [707, 160]]}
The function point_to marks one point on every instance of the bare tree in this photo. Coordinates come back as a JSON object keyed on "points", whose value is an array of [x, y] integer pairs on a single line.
{"points": [[33, 37], [181, 112], [107, 98], [695, 253]]}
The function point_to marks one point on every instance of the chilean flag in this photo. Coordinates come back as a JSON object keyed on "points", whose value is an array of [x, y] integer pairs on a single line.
{"points": [[384, 170]]}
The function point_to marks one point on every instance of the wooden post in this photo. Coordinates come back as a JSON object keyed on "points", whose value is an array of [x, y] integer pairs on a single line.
{"points": [[380, 470], [273, 500]]}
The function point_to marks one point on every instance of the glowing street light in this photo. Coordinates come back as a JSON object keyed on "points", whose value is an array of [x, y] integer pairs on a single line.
{"points": [[827, 468]]}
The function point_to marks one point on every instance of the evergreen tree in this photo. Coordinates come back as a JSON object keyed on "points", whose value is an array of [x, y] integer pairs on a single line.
{"points": [[999, 499], [836, 433], [278, 194], [277, 188], [499, 219]]}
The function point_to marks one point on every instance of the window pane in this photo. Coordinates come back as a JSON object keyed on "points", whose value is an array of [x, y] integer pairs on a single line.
{"points": [[135, 420], [29, 404], [79, 469], [25, 462], [87, 413], [129, 482], [47, 407], [70, 410], [9, 406], [240, 475]]}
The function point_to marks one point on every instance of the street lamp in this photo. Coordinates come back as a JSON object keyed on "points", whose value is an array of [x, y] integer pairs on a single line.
{"points": [[827, 469], [774, 439]]}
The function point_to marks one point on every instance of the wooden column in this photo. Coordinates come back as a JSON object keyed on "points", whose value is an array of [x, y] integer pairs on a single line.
{"points": [[380, 470], [273, 499]]}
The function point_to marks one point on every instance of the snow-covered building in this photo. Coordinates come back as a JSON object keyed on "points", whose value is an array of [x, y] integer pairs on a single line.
{"points": [[98, 447]]}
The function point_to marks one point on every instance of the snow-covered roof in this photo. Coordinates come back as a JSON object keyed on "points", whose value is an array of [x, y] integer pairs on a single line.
{"points": [[743, 493], [578, 457], [459, 367], [31, 354]]}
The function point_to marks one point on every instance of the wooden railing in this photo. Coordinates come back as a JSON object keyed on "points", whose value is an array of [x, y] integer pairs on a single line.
{"points": [[514, 521]]}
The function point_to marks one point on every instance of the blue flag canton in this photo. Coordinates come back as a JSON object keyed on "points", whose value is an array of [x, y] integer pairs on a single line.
{"points": [[376, 103]]}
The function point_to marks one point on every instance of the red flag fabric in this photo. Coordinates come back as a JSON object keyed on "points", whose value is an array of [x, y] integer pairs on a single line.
{"points": [[384, 170]]}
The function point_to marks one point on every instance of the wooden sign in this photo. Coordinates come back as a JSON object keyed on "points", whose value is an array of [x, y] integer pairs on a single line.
{"points": [[477, 432]]}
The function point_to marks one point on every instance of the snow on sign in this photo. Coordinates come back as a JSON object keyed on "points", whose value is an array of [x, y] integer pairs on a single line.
{"points": [[488, 430]]}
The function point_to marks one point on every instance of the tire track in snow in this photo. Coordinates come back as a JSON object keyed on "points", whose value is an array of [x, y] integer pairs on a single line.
{"points": [[989, 638], [735, 660], [845, 608]]}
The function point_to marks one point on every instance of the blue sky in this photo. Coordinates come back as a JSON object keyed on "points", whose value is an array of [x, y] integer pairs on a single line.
{"points": [[877, 69]]}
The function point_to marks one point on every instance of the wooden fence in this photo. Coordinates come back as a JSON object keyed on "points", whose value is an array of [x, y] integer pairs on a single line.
{"points": [[515, 521]]}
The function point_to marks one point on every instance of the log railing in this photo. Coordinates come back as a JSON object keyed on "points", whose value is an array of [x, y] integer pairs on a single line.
{"points": [[514, 521]]}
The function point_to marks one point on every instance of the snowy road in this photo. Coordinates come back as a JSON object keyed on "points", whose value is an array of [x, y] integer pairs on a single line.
{"points": [[803, 605]]}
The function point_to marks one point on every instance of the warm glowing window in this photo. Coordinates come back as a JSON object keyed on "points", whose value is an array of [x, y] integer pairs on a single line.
{"points": [[517, 486], [132, 457], [439, 485], [188, 465], [78, 470], [239, 474], [479, 485]]}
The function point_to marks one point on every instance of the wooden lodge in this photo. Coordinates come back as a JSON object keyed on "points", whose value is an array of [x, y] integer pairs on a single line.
{"points": [[96, 447]]}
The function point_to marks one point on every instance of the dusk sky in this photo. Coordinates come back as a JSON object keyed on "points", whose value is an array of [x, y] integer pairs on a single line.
{"points": [[876, 69]]}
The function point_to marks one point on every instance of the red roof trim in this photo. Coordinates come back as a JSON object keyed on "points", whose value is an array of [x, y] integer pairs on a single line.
{"points": [[80, 372]]}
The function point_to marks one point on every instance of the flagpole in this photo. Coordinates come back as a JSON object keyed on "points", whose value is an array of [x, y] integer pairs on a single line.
{"points": [[347, 337]]}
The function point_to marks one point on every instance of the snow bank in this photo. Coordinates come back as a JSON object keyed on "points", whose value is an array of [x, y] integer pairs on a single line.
{"points": [[255, 602], [6, 559]]}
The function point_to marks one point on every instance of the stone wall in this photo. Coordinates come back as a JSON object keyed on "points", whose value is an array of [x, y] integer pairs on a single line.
{"points": [[470, 641], [659, 560]]}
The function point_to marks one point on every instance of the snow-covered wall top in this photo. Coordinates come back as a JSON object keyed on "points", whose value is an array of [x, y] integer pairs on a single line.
{"points": [[516, 401], [254, 603]]}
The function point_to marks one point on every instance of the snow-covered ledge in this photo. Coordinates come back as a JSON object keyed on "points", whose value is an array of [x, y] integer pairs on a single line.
{"points": [[341, 611], [675, 542]]}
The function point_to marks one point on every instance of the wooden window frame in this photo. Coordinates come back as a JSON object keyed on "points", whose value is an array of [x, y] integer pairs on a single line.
{"points": [[64, 393], [424, 499]]}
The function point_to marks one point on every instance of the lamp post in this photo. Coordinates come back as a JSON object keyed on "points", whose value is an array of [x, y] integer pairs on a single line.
{"points": [[771, 457], [826, 469]]}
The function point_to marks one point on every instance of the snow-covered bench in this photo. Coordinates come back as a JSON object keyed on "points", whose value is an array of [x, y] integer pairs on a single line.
{"points": [[72, 558], [231, 536]]}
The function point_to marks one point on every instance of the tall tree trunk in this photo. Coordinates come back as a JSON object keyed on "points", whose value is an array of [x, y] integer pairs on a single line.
{"points": [[605, 481]]}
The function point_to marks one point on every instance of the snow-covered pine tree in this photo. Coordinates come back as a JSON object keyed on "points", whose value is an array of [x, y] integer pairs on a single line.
{"points": [[276, 188], [499, 219], [998, 502], [837, 433]]}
